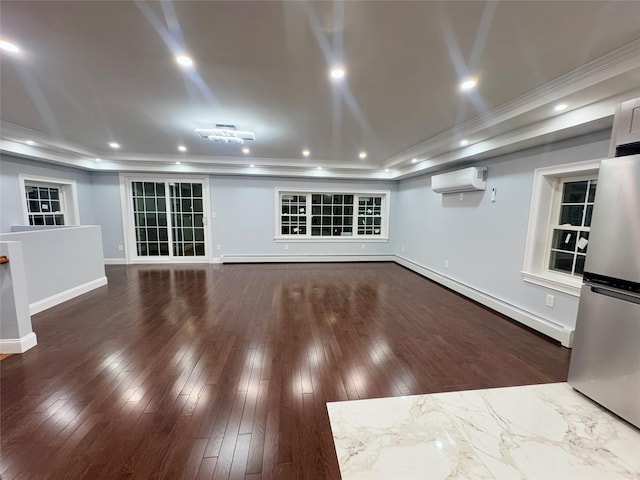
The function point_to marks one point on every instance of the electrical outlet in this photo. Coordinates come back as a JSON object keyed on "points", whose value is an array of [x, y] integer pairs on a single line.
{"points": [[549, 301], [446, 264], [286, 246], [121, 248], [218, 247], [362, 246]]}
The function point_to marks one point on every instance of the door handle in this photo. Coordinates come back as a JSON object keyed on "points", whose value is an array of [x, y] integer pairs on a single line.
{"points": [[618, 294]]}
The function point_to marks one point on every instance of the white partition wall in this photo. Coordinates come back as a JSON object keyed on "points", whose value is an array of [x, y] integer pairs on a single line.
{"points": [[60, 264], [16, 335]]}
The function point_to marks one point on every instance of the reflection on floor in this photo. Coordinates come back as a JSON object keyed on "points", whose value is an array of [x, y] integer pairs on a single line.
{"points": [[530, 432]]}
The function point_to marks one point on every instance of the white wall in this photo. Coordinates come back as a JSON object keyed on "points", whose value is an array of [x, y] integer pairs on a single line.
{"points": [[10, 197], [245, 217], [15, 321], [105, 188], [244, 206], [484, 241], [60, 264]]}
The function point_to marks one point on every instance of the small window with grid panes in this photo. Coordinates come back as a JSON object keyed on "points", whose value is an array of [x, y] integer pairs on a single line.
{"points": [[570, 235], [45, 205], [369, 215], [293, 214]]}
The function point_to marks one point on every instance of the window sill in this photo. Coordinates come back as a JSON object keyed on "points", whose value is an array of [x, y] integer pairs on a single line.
{"points": [[331, 239], [555, 282]]}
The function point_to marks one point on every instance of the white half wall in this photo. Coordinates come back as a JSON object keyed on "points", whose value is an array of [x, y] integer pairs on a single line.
{"points": [[16, 334], [60, 264]]}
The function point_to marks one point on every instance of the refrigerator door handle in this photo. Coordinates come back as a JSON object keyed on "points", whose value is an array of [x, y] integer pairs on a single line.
{"points": [[614, 293]]}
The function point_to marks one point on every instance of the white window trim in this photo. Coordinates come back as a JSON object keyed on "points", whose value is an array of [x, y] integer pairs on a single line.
{"points": [[70, 194], [383, 237], [536, 255], [128, 224]]}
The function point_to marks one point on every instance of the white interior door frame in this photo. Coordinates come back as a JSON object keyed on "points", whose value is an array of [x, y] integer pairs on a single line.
{"points": [[128, 224]]}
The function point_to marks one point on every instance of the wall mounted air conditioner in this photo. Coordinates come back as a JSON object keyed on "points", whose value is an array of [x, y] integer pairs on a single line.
{"points": [[465, 180]]}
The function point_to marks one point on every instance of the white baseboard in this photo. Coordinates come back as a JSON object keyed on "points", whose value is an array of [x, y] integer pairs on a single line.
{"points": [[305, 258], [40, 305], [556, 331], [115, 261], [215, 260], [18, 345]]}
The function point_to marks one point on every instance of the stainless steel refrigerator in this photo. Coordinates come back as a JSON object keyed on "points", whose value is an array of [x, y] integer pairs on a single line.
{"points": [[605, 361]]}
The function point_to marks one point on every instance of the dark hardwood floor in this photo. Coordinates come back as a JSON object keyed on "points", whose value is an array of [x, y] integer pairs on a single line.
{"points": [[225, 371]]}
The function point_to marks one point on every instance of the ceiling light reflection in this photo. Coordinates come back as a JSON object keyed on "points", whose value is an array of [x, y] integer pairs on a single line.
{"points": [[337, 73], [468, 84], [9, 47], [184, 60]]}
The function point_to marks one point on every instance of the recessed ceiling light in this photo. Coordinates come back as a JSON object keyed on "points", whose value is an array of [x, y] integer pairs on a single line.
{"points": [[9, 47], [306, 153], [337, 73], [30, 143], [178, 163], [252, 165], [98, 159], [464, 142], [319, 168], [184, 60], [560, 107], [362, 155], [386, 169], [414, 160], [468, 84], [246, 151], [114, 145], [182, 148]]}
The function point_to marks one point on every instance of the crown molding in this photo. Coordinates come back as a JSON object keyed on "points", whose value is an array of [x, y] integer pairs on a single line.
{"points": [[609, 66]]}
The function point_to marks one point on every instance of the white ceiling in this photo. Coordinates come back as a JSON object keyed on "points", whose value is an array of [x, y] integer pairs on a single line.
{"points": [[92, 72]]}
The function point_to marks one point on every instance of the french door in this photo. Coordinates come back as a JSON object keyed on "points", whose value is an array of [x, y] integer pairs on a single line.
{"points": [[167, 220]]}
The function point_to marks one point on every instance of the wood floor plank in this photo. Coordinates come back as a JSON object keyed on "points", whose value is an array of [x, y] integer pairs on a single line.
{"points": [[224, 371]]}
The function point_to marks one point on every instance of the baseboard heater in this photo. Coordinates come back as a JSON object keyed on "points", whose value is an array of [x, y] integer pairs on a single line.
{"points": [[305, 258]]}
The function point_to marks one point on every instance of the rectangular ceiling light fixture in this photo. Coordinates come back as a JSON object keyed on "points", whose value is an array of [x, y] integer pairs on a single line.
{"points": [[225, 134]]}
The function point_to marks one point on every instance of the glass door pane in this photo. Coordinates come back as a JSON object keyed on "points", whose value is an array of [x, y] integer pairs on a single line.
{"points": [[187, 213], [150, 219]]}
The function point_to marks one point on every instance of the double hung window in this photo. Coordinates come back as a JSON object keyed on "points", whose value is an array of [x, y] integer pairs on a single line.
{"points": [[559, 223], [570, 233], [49, 201]]}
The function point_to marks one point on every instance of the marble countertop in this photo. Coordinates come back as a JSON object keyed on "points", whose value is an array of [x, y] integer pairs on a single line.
{"points": [[530, 432]]}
